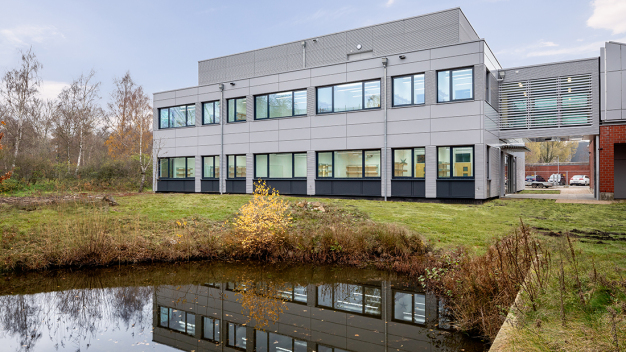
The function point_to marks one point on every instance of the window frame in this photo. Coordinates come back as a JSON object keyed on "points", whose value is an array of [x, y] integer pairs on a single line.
{"points": [[452, 177], [214, 109], [235, 111], [363, 286], [268, 340], [169, 311], [363, 151], [362, 96], [293, 167], [204, 177], [219, 329], [412, 322], [412, 103], [227, 337], [170, 169], [293, 104], [451, 87], [169, 114], [235, 165], [412, 149]]}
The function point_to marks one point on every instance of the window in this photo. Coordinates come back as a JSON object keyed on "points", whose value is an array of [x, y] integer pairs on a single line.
{"points": [[351, 298], [177, 167], [322, 348], [236, 109], [293, 293], [177, 116], [284, 165], [211, 330], [460, 158], [408, 90], [487, 87], [455, 85], [272, 342], [409, 163], [282, 104], [211, 113], [348, 164], [410, 307], [177, 320], [348, 97], [236, 336], [236, 166], [210, 167]]}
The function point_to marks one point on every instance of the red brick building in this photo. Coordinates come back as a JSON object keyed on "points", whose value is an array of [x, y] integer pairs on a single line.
{"points": [[612, 161]]}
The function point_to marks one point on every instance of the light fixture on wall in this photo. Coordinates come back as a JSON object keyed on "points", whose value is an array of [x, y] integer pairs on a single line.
{"points": [[232, 83], [402, 57], [384, 61], [359, 46]]}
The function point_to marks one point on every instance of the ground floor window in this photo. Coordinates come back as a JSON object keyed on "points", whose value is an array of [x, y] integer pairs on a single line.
{"points": [[210, 167], [236, 336], [177, 320], [409, 163], [348, 164], [409, 307], [351, 298], [236, 166], [284, 165], [211, 329], [183, 167], [455, 162], [269, 341]]}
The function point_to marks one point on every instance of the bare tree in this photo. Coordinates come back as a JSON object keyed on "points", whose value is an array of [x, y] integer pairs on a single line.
{"points": [[130, 119], [19, 94]]}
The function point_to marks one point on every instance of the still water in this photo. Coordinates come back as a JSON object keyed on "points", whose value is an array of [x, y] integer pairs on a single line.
{"points": [[223, 307]]}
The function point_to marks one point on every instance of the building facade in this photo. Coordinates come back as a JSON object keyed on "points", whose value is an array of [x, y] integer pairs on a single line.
{"points": [[414, 108]]}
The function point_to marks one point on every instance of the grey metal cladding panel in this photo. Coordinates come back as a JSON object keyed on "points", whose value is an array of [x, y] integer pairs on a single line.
{"points": [[388, 38], [432, 38], [613, 57], [363, 36], [495, 98], [551, 70], [431, 87], [614, 90], [479, 82], [624, 87], [431, 172], [310, 101], [329, 49], [480, 183], [434, 20], [550, 132]]}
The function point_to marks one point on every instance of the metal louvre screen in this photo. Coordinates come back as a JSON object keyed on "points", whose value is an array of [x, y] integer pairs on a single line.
{"points": [[546, 102]]}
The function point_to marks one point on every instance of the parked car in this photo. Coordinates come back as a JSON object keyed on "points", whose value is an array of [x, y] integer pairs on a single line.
{"points": [[530, 179], [581, 180], [557, 179], [537, 181]]}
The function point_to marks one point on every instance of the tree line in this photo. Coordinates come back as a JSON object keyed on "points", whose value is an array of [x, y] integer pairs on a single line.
{"points": [[73, 140]]}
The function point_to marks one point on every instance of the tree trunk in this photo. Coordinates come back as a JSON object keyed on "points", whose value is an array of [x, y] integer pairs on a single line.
{"points": [[80, 149], [18, 139], [143, 180]]}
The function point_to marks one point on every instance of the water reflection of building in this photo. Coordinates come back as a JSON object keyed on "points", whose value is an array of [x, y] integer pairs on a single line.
{"points": [[339, 317]]}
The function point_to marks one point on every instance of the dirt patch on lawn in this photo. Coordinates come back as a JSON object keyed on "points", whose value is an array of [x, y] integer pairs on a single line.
{"points": [[594, 236]]}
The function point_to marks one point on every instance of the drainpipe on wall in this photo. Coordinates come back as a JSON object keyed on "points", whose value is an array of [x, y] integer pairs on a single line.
{"points": [[303, 54], [385, 61], [222, 161]]}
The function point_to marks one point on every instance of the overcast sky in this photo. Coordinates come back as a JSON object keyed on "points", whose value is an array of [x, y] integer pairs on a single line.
{"points": [[160, 42]]}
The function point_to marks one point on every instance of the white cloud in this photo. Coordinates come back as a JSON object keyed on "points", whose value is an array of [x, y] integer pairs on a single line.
{"points": [[51, 89], [27, 35], [547, 44], [389, 3], [609, 14]]}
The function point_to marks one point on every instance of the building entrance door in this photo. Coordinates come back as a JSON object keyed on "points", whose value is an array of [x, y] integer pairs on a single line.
{"points": [[619, 182], [510, 174]]}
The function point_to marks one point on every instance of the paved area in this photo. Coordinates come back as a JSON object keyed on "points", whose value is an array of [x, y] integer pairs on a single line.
{"points": [[574, 194]]}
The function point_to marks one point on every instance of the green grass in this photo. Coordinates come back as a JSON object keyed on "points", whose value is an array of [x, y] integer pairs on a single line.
{"points": [[537, 191]]}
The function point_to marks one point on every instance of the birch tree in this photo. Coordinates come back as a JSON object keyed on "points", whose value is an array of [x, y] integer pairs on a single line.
{"points": [[19, 95]]}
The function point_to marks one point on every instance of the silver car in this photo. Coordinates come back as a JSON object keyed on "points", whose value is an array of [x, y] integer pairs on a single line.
{"points": [[581, 180]]}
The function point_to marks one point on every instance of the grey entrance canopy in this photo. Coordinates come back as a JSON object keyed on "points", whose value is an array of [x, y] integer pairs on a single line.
{"points": [[512, 147]]}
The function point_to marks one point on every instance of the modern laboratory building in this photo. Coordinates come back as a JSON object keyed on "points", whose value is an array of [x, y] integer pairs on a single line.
{"points": [[414, 108]]}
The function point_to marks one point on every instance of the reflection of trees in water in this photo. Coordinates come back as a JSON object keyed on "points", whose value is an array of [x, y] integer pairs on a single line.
{"points": [[74, 316]]}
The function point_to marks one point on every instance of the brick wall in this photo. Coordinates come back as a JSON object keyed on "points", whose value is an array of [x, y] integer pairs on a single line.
{"points": [[609, 136], [567, 169]]}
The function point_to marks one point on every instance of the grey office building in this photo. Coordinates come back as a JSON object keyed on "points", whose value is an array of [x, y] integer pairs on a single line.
{"points": [[414, 108]]}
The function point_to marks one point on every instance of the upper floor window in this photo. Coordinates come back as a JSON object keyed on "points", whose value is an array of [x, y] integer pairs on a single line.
{"points": [[284, 165], [409, 307], [350, 298], [348, 164], [237, 109], [408, 90], [177, 167], [211, 166], [409, 162], [455, 85], [272, 342], [236, 336], [460, 158], [211, 329], [348, 97], [282, 104], [177, 116], [210, 112], [177, 320]]}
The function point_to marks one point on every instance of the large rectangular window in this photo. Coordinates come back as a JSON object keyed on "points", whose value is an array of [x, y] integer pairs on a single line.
{"points": [[236, 109], [211, 166], [453, 85], [211, 330], [236, 336], [282, 104], [348, 97], [177, 320], [184, 167], [351, 298], [284, 165], [177, 116], [409, 163], [348, 164], [272, 342], [409, 307], [236, 166], [408, 90], [457, 162], [211, 113]]}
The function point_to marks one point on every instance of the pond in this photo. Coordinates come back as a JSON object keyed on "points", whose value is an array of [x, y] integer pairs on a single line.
{"points": [[223, 307]]}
